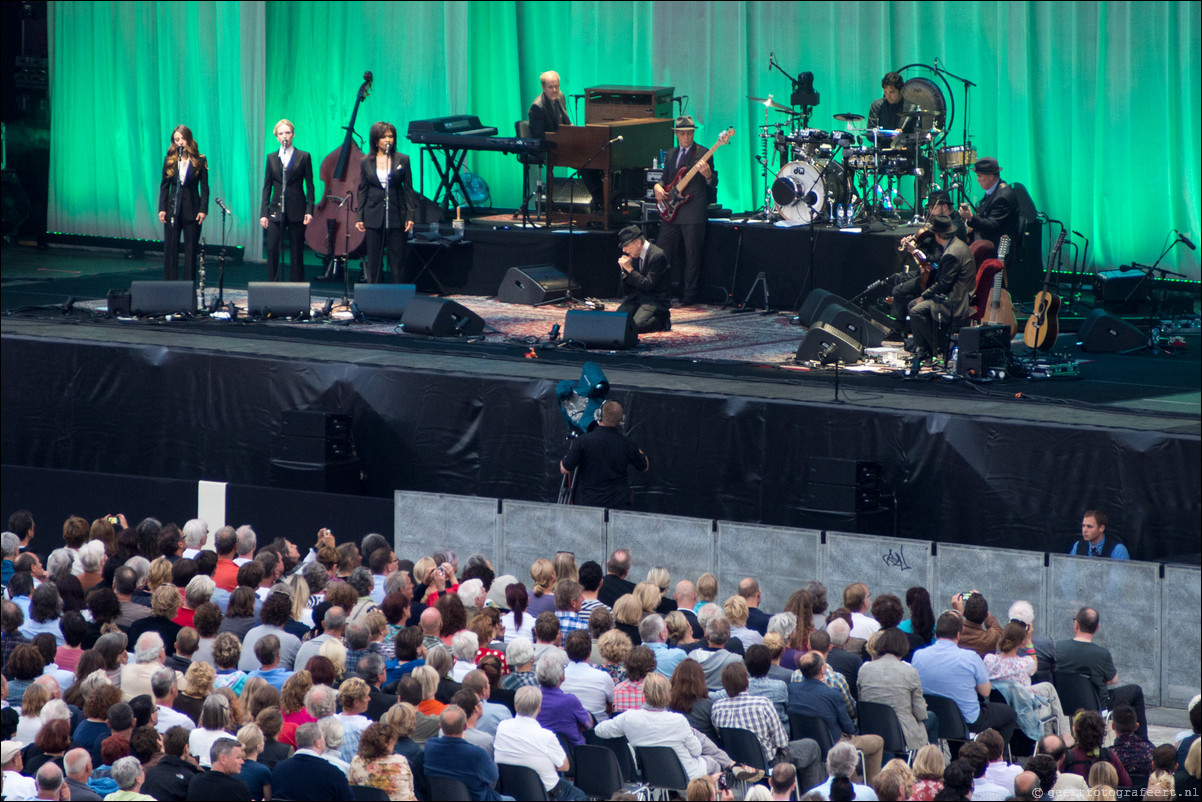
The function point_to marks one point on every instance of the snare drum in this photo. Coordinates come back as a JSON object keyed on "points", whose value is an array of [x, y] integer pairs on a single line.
{"points": [[957, 158]]}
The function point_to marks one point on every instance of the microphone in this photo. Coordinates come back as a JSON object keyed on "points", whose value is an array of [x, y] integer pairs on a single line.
{"points": [[880, 282], [615, 140], [223, 207], [811, 198], [1185, 238]]}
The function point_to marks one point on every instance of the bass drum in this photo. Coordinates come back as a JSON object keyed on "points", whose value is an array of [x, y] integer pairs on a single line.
{"points": [[804, 192]]}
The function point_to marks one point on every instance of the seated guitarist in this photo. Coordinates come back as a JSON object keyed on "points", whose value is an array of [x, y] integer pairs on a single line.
{"points": [[688, 227], [997, 213], [948, 298], [908, 284]]}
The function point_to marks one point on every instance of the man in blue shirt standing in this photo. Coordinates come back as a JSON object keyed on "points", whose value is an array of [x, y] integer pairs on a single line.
{"points": [[959, 674], [1094, 542]]}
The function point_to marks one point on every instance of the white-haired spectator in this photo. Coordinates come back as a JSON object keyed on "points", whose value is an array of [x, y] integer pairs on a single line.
{"points": [[523, 741], [196, 532], [561, 713], [246, 541], [149, 656], [472, 594], [708, 612], [333, 732], [60, 563], [129, 776], [91, 559], [464, 646], [1045, 646], [164, 686], [520, 656]]}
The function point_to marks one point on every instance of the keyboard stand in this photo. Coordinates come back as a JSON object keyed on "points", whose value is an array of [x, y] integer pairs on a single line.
{"points": [[448, 168]]}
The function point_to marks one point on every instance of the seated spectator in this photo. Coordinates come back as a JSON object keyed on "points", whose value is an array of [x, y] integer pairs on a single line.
{"points": [[887, 680], [240, 615], [449, 755], [613, 647], [30, 723], [111, 646], [977, 756], [469, 702], [1051, 779], [997, 770], [1134, 752], [1089, 731], [628, 694], [522, 741], [77, 765], [186, 643], [813, 697], [896, 781], [592, 686], [306, 775], [427, 678], [45, 609], [254, 775], [213, 724], [168, 779], [628, 613], [464, 647], [198, 684], [128, 774], [377, 765], [928, 773], [1082, 656], [841, 763], [680, 631], [402, 718], [842, 656], [957, 781], [490, 634], [270, 723], [149, 655], [1187, 782], [653, 632], [736, 611], [276, 612], [518, 623], [227, 653], [1012, 668], [353, 697], [164, 606], [267, 651], [980, 630], [520, 654], [560, 712], [74, 628]]}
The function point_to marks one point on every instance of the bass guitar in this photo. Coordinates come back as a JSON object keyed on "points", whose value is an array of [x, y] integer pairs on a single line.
{"points": [[1044, 324], [1000, 311], [671, 204]]}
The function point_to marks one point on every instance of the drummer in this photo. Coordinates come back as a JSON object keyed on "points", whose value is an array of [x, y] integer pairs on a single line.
{"points": [[889, 111]]}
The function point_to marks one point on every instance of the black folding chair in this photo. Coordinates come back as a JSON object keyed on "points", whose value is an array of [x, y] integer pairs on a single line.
{"points": [[598, 774], [881, 719], [662, 769], [952, 726], [621, 749], [367, 793], [1076, 692], [521, 782], [448, 789], [802, 726]]}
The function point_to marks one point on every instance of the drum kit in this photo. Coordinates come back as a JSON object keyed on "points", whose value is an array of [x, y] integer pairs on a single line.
{"points": [[852, 175]]}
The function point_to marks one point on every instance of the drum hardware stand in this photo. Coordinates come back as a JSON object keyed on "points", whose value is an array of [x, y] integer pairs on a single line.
{"points": [[760, 279], [734, 273], [1079, 274]]}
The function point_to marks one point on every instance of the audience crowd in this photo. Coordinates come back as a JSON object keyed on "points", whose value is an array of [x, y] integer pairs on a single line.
{"points": [[154, 662]]}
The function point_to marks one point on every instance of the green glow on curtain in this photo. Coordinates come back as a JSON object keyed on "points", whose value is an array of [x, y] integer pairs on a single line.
{"points": [[1094, 106]]}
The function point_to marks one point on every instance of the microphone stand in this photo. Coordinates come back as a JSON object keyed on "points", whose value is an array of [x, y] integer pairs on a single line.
{"points": [[220, 300], [967, 83], [346, 265]]}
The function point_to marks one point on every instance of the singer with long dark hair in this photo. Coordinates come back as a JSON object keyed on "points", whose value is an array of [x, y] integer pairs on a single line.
{"points": [[386, 202], [287, 202], [183, 202]]}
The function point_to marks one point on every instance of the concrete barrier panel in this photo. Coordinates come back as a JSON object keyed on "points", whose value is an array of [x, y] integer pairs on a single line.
{"points": [[531, 530], [426, 522], [1124, 593], [782, 560], [884, 564], [685, 546], [1180, 629], [1003, 576]]}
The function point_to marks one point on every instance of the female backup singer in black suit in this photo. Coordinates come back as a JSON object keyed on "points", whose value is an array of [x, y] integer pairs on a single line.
{"points": [[183, 202], [287, 202], [386, 202]]}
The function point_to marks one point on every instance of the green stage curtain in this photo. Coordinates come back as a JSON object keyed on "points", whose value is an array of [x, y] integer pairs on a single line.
{"points": [[123, 75], [1093, 106]]}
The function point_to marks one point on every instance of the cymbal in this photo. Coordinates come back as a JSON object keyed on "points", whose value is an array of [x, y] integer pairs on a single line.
{"points": [[849, 117], [914, 112], [769, 103]]}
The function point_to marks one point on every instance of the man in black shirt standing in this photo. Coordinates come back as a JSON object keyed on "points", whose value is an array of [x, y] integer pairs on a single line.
{"points": [[602, 457]]}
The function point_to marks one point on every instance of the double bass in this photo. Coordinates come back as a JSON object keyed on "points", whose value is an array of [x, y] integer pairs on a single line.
{"points": [[331, 233]]}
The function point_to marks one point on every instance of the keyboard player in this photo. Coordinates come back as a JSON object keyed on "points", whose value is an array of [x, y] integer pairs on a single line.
{"points": [[547, 113]]}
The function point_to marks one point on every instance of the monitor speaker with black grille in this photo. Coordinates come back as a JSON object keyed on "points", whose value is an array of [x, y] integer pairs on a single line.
{"points": [[1103, 333], [532, 285], [867, 332], [613, 330], [824, 343], [149, 298], [440, 317], [278, 299], [384, 301], [815, 302]]}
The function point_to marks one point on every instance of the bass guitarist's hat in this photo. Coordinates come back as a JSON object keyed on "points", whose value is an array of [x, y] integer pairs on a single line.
{"points": [[989, 166], [685, 122]]}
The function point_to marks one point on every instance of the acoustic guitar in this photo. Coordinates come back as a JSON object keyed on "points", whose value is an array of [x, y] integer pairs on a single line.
{"points": [[1044, 324], [670, 205], [1000, 311]]}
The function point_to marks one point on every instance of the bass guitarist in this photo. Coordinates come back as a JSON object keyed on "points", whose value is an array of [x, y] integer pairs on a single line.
{"points": [[687, 229]]}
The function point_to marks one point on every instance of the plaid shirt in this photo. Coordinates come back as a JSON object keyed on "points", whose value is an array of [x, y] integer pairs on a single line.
{"points": [[628, 695], [518, 679], [7, 644], [754, 713], [353, 656], [570, 621], [836, 680]]}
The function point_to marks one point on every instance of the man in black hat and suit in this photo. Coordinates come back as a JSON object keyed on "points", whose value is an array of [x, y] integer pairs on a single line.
{"points": [[907, 285], [948, 297], [687, 228], [997, 213], [645, 275]]}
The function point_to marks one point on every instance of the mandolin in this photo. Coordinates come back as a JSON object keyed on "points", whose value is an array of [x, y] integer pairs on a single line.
{"points": [[671, 205], [1000, 311], [1044, 324], [927, 267]]}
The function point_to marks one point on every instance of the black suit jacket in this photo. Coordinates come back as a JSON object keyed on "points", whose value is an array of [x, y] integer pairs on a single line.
{"points": [[757, 619], [297, 194], [699, 189], [997, 215], [956, 278], [379, 703], [613, 587], [402, 204], [194, 197], [544, 116], [650, 282]]}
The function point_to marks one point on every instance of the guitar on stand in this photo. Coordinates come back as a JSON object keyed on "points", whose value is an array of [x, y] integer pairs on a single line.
{"points": [[671, 204], [1044, 324], [1000, 311]]}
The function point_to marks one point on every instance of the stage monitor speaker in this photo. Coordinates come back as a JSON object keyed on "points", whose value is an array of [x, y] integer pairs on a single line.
{"points": [[867, 332], [1103, 333], [824, 343], [973, 339], [118, 303], [815, 302], [147, 298], [384, 301], [612, 330], [278, 299], [534, 284], [440, 317], [1122, 285]]}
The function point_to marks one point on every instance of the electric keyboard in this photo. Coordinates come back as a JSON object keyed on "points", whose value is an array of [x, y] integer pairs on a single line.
{"points": [[503, 144], [457, 124]]}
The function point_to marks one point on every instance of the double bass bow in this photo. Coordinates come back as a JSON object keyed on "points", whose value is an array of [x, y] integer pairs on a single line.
{"points": [[331, 233]]}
